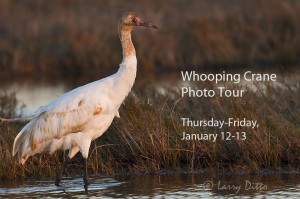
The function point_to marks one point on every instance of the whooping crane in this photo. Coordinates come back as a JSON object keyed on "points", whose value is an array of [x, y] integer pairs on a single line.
{"points": [[78, 117]]}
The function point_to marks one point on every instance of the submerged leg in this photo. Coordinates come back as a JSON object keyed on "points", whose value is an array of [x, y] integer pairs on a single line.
{"points": [[60, 172], [85, 173]]}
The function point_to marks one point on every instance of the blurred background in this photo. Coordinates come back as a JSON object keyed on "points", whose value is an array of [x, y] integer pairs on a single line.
{"points": [[50, 47]]}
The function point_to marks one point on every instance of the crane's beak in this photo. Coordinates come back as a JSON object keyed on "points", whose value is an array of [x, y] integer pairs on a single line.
{"points": [[150, 25], [139, 22]]}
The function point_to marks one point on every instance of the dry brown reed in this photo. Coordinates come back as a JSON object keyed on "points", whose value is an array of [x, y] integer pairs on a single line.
{"points": [[147, 137]]}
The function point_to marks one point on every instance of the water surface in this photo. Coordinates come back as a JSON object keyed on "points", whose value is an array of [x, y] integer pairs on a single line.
{"points": [[171, 185]]}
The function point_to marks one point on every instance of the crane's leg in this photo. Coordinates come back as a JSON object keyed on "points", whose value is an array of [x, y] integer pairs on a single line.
{"points": [[85, 173], [84, 146], [60, 172]]}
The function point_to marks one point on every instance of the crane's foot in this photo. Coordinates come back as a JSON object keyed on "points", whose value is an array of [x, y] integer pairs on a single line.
{"points": [[86, 189], [57, 181], [58, 177], [86, 181]]}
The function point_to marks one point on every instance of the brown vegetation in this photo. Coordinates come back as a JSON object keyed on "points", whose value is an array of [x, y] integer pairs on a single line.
{"points": [[147, 137], [79, 37]]}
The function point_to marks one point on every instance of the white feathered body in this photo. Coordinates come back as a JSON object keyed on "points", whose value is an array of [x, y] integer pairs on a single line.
{"points": [[74, 119]]}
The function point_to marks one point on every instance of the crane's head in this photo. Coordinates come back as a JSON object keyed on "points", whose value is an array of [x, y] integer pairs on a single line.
{"points": [[129, 20]]}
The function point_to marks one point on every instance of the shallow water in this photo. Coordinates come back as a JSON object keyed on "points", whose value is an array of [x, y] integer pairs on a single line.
{"points": [[182, 185]]}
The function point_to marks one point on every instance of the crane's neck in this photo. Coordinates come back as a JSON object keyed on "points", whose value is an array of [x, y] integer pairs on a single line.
{"points": [[127, 45], [127, 72]]}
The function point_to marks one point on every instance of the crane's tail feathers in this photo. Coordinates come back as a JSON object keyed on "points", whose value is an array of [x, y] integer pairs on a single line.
{"points": [[24, 144], [17, 119], [21, 144]]}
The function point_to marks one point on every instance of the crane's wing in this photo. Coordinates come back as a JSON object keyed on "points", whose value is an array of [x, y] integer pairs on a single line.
{"points": [[67, 114]]}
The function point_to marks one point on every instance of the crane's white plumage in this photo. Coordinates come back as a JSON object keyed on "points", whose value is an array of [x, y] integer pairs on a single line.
{"points": [[76, 118]]}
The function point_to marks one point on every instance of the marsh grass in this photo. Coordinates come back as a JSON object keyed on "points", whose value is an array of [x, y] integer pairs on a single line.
{"points": [[147, 137]]}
